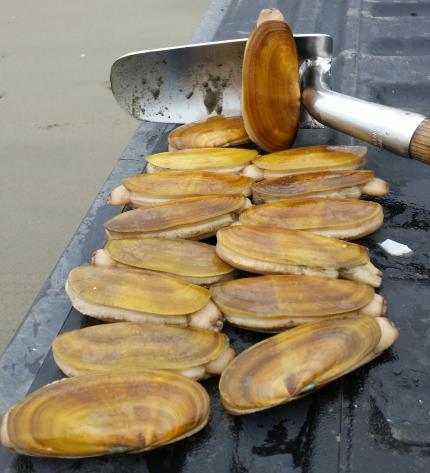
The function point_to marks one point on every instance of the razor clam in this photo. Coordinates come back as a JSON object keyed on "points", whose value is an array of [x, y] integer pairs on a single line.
{"points": [[224, 160], [295, 363], [347, 219], [148, 189], [270, 83], [213, 132], [118, 294], [126, 411], [278, 302], [194, 217], [193, 261], [336, 184], [307, 159], [273, 250], [192, 352]]}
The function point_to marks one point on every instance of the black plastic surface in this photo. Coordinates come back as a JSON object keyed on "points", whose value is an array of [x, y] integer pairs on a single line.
{"points": [[373, 420]]}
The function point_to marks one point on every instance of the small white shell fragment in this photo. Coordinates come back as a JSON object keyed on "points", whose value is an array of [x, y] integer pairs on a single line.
{"points": [[393, 248]]}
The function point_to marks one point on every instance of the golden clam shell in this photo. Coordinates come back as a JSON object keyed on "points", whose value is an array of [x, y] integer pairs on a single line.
{"points": [[193, 217], [271, 83], [307, 159], [149, 189], [193, 261], [273, 250], [347, 219], [336, 184], [294, 363], [277, 302], [140, 296], [102, 413], [210, 133], [231, 160], [126, 345]]}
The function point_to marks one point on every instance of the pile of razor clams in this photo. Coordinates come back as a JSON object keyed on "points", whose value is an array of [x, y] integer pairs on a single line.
{"points": [[283, 264]]}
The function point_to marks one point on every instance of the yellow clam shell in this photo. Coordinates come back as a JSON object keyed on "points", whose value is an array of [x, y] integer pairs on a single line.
{"points": [[206, 159], [193, 217], [126, 345], [312, 158], [213, 132], [282, 246], [341, 218], [125, 294], [296, 362], [186, 259], [271, 83], [102, 413], [276, 302]]}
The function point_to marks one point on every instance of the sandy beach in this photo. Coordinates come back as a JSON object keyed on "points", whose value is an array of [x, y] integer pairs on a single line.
{"points": [[61, 129]]}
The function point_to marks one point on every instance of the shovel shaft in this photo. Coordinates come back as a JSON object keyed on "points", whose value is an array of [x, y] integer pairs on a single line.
{"points": [[405, 133]]}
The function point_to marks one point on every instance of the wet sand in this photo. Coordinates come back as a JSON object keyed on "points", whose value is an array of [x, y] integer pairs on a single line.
{"points": [[61, 129]]}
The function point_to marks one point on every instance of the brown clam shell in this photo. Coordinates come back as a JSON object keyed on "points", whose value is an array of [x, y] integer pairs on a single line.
{"points": [[271, 83], [125, 411], [294, 363], [171, 216], [269, 244], [275, 302], [213, 132], [309, 184], [126, 345], [181, 184], [341, 218]]}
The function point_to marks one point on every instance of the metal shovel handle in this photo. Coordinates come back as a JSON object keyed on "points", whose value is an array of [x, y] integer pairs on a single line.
{"points": [[402, 132]]}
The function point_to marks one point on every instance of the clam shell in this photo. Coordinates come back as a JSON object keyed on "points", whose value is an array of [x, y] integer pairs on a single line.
{"points": [[280, 246], [204, 159], [172, 185], [296, 362], [340, 218], [311, 159], [274, 303], [193, 217], [102, 413], [134, 295], [213, 132], [191, 260], [271, 84], [126, 345], [330, 183]]}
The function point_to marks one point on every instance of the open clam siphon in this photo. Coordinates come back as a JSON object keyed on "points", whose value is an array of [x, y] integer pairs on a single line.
{"points": [[193, 261], [194, 217], [305, 160], [271, 84], [126, 411], [277, 302], [347, 219], [215, 131], [224, 160], [295, 363], [192, 352], [336, 184], [267, 249], [119, 294], [149, 189]]}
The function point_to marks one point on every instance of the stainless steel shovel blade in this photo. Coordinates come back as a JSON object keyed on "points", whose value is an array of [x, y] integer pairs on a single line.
{"points": [[188, 83]]}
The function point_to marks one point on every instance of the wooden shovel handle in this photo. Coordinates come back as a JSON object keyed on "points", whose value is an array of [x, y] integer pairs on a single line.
{"points": [[419, 147]]}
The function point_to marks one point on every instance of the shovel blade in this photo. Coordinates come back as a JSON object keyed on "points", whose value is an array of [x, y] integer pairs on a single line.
{"points": [[188, 83]]}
